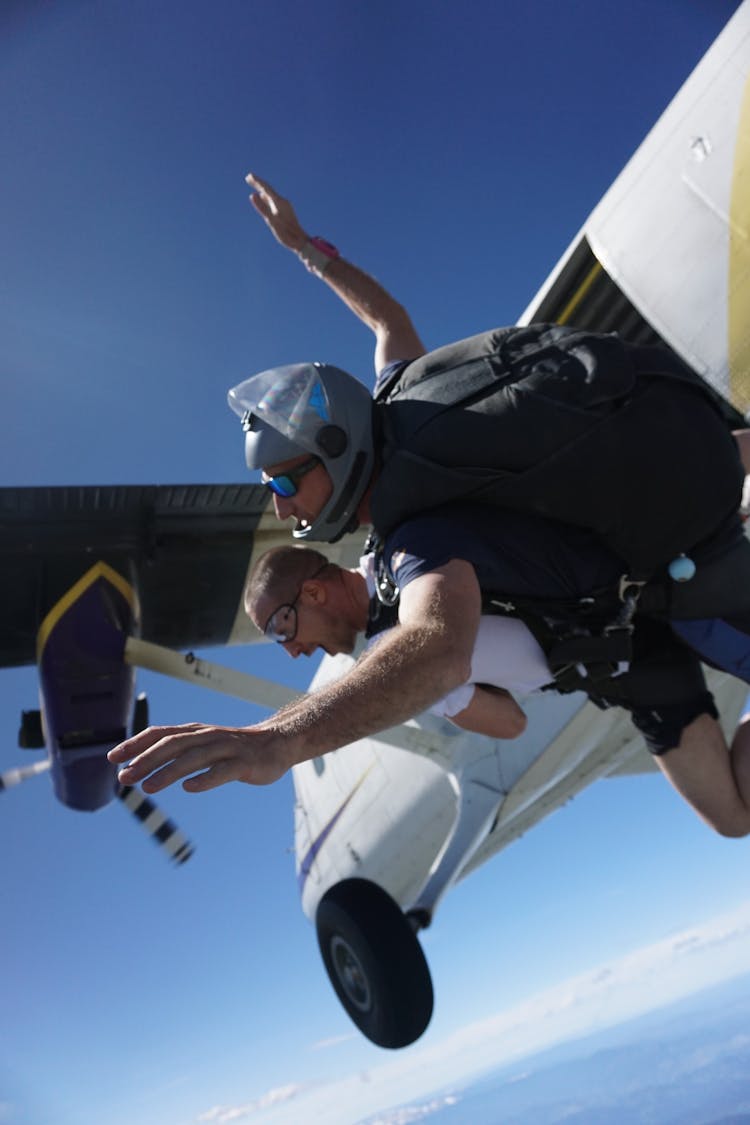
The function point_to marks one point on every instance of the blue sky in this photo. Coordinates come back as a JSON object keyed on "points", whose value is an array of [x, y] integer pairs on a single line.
{"points": [[453, 151]]}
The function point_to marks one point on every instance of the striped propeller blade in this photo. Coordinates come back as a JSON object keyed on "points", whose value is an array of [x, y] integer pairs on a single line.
{"points": [[156, 824]]}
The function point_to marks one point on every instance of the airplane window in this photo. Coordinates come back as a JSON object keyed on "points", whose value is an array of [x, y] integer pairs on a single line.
{"points": [[319, 766]]}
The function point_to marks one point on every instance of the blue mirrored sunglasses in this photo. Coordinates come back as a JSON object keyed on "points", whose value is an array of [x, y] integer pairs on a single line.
{"points": [[286, 484]]}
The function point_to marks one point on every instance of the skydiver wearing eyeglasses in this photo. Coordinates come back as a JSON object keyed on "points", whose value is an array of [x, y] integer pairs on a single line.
{"points": [[305, 603]]}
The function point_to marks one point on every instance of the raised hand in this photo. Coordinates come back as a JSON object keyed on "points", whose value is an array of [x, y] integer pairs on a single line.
{"points": [[277, 213]]}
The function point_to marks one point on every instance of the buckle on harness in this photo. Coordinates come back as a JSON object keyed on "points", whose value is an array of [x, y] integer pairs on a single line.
{"points": [[386, 590], [628, 591], [630, 587], [591, 662]]}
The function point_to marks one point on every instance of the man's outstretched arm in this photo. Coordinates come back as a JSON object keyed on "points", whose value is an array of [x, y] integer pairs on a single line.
{"points": [[395, 335], [417, 663]]}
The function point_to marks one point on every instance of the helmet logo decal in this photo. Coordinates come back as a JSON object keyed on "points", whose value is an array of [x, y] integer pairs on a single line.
{"points": [[318, 402], [294, 404]]}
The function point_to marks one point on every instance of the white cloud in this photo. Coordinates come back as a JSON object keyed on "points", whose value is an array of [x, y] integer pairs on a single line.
{"points": [[334, 1041], [406, 1115], [608, 994], [221, 1114]]}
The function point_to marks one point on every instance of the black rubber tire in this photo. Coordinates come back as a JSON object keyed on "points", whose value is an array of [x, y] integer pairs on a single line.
{"points": [[375, 963]]}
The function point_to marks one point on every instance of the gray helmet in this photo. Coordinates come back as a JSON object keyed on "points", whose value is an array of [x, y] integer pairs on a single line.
{"points": [[312, 408]]}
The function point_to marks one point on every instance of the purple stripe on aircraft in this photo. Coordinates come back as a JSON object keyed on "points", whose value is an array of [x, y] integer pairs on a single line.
{"points": [[314, 849], [317, 844]]}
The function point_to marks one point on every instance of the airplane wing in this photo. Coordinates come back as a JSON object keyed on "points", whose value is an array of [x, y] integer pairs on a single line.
{"points": [[186, 549], [665, 256], [594, 744]]}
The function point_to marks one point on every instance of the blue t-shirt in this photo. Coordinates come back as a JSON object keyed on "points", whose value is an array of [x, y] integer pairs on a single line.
{"points": [[513, 553]]}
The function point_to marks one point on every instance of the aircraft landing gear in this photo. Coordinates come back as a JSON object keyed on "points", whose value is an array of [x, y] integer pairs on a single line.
{"points": [[375, 963]]}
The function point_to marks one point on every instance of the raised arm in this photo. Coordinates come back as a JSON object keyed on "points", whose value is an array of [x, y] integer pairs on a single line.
{"points": [[395, 335], [418, 662]]}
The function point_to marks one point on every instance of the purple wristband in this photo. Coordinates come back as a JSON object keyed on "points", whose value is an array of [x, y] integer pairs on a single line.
{"points": [[325, 247]]}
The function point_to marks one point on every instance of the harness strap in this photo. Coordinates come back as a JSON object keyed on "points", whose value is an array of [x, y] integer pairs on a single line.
{"points": [[580, 661], [588, 661], [613, 647]]}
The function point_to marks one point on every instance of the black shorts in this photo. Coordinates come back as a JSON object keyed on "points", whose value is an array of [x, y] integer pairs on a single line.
{"points": [[664, 689], [662, 726]]}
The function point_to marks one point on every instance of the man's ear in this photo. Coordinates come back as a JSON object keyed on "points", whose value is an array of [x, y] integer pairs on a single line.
{"points": [[315, 591]]}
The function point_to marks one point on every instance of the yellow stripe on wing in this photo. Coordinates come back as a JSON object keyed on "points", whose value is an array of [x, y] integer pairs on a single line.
{"points": [[98, 570], [579, 294]]}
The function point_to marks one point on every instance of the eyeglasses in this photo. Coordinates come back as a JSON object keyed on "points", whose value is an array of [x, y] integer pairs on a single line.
{"points": [[286, 484], [282, 624]]}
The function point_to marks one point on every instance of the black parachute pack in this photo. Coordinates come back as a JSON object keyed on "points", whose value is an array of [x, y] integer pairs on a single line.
{"points": [[574, 426]]}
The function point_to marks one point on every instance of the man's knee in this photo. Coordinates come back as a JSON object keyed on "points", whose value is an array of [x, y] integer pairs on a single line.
{"points": [[701, 769]]}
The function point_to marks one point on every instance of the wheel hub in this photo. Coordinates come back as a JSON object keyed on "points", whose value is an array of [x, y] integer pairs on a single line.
{"points": [[351, 974]]}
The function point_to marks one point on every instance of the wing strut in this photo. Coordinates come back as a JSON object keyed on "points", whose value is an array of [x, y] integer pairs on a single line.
{"points": [[23, 773], [438, 747]]}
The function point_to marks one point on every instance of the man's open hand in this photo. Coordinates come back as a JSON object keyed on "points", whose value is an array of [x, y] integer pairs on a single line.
{"points": [[159, 756]]}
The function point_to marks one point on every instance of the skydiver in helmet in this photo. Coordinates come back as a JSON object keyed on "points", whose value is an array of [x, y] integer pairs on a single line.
{"points": [[310, 423], [309, 428]]}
